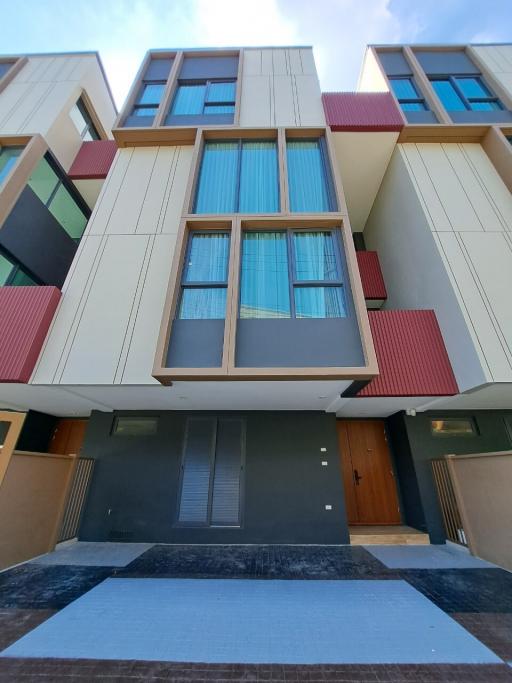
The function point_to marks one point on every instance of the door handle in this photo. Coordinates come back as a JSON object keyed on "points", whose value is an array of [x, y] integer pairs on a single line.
{"points": [[357, 477]]}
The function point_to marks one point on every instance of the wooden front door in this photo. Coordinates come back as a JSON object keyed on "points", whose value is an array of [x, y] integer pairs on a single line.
{"points": [[68, 437], [369, 481]]}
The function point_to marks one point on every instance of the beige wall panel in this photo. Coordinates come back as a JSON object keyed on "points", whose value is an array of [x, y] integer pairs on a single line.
{"points": [[162, 174], [25, 107], [26, 73], [497, 192], [476, 308], [63, 137], [128, 205], [284, 102], [295, 61], [482, 485], [90, 190], [32, 497], [309, 97], [432, 204], [307, 61], [449, 188], [498, 59], [176, 188], [252, 62], [41, 65], [474, 191], [371, 78], [267, 64], [55, 104], [137, 364], [98, 223], [491, 258], [74, 295], [9, 99], [280, 66], [414, 272], [255, 108], [106, 312], [94, 85]]}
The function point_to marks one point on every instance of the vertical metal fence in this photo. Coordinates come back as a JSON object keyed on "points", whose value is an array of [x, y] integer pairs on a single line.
{"points": [[449, 508], [76, 499]]}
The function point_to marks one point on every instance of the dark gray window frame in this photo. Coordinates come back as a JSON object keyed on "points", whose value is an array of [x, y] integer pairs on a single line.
{"points": [[409, 100], [467, 101], [327, 169], [292, 282], [138, 106], [213, 448], [201, 284], [17, 268], [452, 418]]}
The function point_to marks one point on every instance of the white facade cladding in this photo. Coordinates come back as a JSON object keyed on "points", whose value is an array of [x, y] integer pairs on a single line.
{"points": [[280, 88], [106, 328], [43, 92], [442, 224], [498, 61]]}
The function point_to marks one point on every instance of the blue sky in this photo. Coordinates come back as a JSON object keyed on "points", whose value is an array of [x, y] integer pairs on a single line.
{"points": [[122, 30]]}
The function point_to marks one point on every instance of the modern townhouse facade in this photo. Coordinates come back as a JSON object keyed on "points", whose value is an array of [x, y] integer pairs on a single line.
{"points": [[274, 307]]}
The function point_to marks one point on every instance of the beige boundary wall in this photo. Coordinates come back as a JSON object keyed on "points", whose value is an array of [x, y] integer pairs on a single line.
{"points": [[482, 487], [33, 495]]}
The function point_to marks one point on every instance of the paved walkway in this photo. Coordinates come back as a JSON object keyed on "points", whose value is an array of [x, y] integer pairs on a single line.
{"points": [[139, 613]]}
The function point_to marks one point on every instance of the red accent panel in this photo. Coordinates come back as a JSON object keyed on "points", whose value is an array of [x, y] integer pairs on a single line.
{"points": [[362, 111], [93, 160], [25, 317], [371, 275], [411, 354]]}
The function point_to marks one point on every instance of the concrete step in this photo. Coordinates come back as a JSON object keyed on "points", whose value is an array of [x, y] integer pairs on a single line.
{"points": [[387, 535]]}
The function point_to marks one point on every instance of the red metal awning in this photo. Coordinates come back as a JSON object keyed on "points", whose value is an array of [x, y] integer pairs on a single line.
{"points": [[362, 111], [93, 160]]}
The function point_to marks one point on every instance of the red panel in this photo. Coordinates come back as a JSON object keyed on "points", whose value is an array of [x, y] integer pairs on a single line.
{"points": [[25, 317], [362, 111], [371, 275], [411, 354], [93, 160]]}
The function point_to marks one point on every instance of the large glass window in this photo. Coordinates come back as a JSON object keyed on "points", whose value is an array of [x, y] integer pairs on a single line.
{"points": [[309, 176], [8, 158], [292, 273], [462, 93], [83, 121], [205, 277], [204, 98], [12, 274], [407, 94], [51, 190], [238, 176], [148, 99], [453, 426]]}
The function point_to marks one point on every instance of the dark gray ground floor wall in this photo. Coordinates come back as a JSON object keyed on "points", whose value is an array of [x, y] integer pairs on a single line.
{"points": [[413, 434], [286, 487]]}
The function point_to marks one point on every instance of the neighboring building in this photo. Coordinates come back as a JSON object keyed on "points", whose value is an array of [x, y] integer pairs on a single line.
{"points": [[283, 305]]}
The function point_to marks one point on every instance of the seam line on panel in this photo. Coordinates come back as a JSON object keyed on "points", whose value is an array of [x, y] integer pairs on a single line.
{"points": [[443, 147], [107, 223], [146, 192], [169, 188]]}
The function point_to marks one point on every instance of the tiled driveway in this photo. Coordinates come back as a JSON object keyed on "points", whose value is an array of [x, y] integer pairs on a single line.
{"points": [[312, 613]]}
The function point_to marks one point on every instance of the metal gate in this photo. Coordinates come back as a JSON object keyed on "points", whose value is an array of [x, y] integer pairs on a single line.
{"points": [[449, 508], [76, 499]]}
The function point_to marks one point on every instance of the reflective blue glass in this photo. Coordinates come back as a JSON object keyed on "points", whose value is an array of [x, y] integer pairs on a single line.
{"points": [[448, 95], [219, 109], [314, 256], [308, 178], [217, 186], [265, 290], [319, 302], [403, 88], [413, 106], [203, 304], [189, 99], [151, 93], [485, 106], [208, 257], [145, 111], [221, 92], [8, 158], [259, 180], [472, 87]]}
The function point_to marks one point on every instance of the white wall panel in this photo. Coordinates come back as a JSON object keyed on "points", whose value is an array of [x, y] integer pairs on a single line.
{"points": [[280, 88], [498, 60]]}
